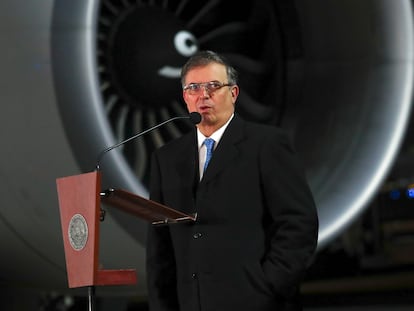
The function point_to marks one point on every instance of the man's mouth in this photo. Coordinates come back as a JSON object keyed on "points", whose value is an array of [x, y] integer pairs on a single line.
{"points": [[204, 108]]}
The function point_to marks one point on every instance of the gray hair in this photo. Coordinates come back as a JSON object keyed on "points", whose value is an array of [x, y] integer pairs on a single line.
{"points": [[203, 58]]}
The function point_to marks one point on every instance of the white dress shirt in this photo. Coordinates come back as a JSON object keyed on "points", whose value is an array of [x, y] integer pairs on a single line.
{"points": [[202, 150]]}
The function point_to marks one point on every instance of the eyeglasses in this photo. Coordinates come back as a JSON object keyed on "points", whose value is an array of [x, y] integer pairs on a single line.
{"points": [[210, 87]]}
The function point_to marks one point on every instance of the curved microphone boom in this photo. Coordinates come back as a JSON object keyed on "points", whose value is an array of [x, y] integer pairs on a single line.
{"points": [[194, 117]]}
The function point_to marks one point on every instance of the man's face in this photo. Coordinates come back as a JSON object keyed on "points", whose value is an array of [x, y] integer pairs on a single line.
{"points": [[215, 106]]}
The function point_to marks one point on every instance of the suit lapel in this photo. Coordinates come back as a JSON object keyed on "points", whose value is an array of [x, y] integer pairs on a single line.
{"points": [[226, 150]]}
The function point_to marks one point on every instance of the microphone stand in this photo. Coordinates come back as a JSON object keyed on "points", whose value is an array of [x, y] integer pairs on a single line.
{"points": [[195, 118]]}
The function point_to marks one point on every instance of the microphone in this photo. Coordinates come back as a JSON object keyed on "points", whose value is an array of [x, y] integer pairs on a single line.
{"points": [[194, 117]]}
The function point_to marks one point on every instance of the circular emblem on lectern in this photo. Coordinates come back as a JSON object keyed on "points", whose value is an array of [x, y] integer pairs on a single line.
{"points": [[78, 232]]}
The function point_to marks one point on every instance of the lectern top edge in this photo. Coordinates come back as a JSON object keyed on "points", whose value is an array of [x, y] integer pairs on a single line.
{"points": [[143, 208]]}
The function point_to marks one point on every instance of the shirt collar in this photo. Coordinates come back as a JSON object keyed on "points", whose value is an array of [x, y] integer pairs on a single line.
{"points": [[216, 135]]}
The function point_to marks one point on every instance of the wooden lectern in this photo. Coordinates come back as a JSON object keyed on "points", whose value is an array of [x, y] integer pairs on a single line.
{"points": [[80, 214]]}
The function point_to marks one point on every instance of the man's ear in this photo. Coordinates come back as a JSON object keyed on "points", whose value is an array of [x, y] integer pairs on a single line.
{"points": [[234, 92]]}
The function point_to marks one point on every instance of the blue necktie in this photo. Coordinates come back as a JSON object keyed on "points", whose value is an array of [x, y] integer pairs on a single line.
{"points": [[209, 142]]}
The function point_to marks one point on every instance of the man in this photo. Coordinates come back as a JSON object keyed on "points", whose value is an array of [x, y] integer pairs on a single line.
{"points": [[256, 227]]}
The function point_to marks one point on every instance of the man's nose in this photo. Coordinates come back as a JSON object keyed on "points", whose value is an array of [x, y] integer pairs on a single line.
{"points": [[205, 92]]}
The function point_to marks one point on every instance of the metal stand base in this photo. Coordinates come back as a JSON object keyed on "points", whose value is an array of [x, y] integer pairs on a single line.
{"points": [[91, 298]]}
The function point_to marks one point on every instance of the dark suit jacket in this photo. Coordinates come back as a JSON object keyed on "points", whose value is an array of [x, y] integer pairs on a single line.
{"points": [[256, 228]]}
